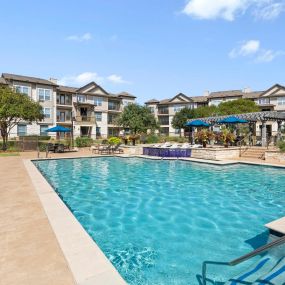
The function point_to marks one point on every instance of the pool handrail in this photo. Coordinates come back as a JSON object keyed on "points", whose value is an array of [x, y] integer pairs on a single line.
{"points": [[243, 258]]}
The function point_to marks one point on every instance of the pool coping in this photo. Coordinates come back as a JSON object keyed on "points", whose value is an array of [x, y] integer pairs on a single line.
{"points": [[87, 262]]}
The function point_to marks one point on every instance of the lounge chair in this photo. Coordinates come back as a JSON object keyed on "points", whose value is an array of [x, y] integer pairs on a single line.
{"points": [[95, 148], [50, 147], [117, 149], [105, 149]]}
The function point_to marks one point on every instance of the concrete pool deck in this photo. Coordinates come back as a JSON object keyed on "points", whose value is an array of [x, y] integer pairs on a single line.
{"points": [[34, 227]]}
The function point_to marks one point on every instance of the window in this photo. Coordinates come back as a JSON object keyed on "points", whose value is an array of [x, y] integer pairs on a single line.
{"points": [[113, 105], [47, 113], [63, 99], [177, 131], [98, 101], [163, 120], [22, 130], [281, 100], [98, 132], [177, 108], [163, 110], [81, 98], [98, 116], [216, 102], [263, 101], [22, 89], [151, 109], [44, 94], [43, 129], [112, 118]]}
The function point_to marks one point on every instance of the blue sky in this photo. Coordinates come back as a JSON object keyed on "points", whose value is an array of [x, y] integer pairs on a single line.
{"points": [[152, 49]]}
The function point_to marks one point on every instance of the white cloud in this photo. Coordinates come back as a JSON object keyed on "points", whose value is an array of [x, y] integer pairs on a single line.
{"points": [[77, 38], [114, 78], [253, 48], [81, 79], [86, 77], [268, 55], [247, 48], [230, 9], [271, 11]]}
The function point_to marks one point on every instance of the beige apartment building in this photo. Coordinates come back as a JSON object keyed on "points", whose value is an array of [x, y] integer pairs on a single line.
{"points": [[272, 99], [89, 110]]}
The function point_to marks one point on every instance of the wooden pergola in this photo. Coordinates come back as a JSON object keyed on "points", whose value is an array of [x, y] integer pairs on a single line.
{"points": [[252, 118]]}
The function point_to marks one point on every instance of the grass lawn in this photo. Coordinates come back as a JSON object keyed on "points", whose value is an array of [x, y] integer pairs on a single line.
{"points": [[3, 154]]}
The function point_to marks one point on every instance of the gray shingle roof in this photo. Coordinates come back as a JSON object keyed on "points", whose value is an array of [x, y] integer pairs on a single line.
{"points": [[29, 79], [126, 94], [252, 95], [225, 94], [199, 99], [152, 101], [67, 89]]}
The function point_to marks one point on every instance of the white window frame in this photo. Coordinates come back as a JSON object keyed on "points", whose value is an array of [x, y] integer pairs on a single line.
{"points": [[22, 89], [101, 117], [81, 98], [263, 101], [178, 108], [216, 102], [47, 113], [46, 97], [98, 101], [281, 101]]}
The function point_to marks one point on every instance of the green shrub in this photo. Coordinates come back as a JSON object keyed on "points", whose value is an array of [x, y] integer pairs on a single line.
{"points": [[281, 146], [152, 138], [83, 141], [11, 145], [114, 140]]}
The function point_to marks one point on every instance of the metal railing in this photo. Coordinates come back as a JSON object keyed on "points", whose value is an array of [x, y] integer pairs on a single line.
{"points": [[241, 259]]}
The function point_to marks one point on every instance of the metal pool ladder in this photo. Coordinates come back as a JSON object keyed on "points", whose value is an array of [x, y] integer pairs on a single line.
{"points": [[241, 259]]}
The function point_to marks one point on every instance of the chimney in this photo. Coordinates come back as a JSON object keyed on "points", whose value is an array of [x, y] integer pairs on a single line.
{"points": [[246, 90], [53, 80], [206, 93]]}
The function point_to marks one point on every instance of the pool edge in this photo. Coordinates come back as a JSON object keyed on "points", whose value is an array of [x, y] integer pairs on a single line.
{"points": [[86, 261]]}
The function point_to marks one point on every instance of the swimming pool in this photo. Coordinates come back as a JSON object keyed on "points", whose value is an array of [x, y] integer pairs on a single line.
{"points": [[157, 221]]}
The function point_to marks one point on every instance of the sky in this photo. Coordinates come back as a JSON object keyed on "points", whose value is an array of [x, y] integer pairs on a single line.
{"points": [[149, 48]]}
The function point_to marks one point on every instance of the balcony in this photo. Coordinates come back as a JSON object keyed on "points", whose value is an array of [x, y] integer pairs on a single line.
{"points": [[85, 119], [114, 106], [163, 111]]}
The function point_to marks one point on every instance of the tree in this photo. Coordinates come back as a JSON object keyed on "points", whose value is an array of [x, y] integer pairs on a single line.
{"points": [[15, 108], [206, 111], [138, 119], [180, 118], [238, 106]]}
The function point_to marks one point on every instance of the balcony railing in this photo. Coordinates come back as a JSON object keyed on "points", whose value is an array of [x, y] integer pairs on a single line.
{"points": [[114, 108], [163, 111], [88, 119]]}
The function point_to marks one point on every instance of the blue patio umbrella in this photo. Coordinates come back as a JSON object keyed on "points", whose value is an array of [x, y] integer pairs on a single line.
{"points": [[58, 129], [197, 123], [232, 120]]}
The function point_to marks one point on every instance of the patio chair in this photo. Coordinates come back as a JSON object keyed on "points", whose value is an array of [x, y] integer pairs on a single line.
{"points": [[105, 149], [95, 148], [117, 149], [50, 147], [60, 148]]}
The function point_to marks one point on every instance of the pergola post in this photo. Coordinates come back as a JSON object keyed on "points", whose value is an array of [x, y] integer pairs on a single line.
{"points": [[279, 123], [263, 134]]}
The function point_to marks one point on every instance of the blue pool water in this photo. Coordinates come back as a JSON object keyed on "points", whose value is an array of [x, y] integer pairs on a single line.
{"points": [[157, 221]]}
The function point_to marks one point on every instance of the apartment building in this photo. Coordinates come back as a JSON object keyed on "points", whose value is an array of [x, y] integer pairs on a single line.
{"points": [[89, 110], [272, 99]]}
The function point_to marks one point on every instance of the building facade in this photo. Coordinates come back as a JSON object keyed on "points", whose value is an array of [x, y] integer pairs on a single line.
{"points": [[272, 99], [90, 110]]}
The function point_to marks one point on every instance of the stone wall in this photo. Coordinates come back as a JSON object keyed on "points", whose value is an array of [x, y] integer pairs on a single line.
{"points": [[215, 153], [271, 155]]}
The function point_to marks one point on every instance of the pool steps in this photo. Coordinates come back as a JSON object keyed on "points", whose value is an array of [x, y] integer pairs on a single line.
{"points": [[265, 271]]}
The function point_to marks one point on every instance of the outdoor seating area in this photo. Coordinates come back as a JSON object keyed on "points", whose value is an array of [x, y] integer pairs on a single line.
{"points": [[107, 149], [57, 147]]}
